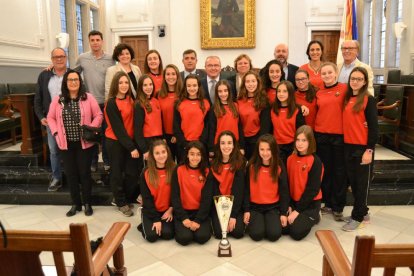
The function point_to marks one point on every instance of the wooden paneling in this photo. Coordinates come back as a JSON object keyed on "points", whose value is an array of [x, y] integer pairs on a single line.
{"points": [[330, 40]]}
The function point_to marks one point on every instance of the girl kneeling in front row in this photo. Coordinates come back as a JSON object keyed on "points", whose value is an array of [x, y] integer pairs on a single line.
{"points": [[157, 213], [305, 171], [192, 197], [266, 200], [227, 178]]}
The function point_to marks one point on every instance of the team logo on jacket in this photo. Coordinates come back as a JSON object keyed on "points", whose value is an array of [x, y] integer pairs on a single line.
{"points": [[337, 94]]}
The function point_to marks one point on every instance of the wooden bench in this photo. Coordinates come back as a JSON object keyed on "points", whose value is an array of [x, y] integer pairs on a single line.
{"points": [[21, 257], [367, 255]]}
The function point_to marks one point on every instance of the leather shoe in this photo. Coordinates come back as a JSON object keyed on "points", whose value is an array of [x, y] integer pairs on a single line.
{"points": [[54, 185], [88, 210], [73, 210]]}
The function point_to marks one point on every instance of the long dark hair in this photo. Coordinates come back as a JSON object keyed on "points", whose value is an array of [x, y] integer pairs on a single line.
{"points": [[184, 92], [218, 107], [267, 83], [114, 88], [291, 102], [152, 164], [163, 92], [142, 98], [65, 96], [203, 163], [260, 100], [361, 93], [237, 160], [256, 161], [311, 92]]}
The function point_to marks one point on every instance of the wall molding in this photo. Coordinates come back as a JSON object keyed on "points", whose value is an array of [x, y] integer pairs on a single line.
{"points": [[23, 62], [22, 43]]}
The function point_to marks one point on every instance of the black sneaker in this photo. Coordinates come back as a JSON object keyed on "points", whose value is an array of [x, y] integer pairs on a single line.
{"points": [[139, 227], [54, 185]]}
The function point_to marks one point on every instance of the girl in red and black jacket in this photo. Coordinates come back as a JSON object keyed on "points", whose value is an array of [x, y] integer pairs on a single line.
{"points": [[157, 211], [273, 74], [122, 151], [192, 196], [305, 171], [286, 117], [167, 96], [329, 137], [224, 116], [306, 95], [191, 115], [227, 177], [147, 115], [360, 135], [266, 199], [253, 111]]}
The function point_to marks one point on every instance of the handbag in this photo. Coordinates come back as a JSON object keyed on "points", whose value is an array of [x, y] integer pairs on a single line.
{"points": [[88, 133]]}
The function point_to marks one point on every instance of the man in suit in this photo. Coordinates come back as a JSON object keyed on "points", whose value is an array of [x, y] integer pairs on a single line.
{"points": [[350, 51], [281, 53], [213, 71], [190, 63], [49, 86]]}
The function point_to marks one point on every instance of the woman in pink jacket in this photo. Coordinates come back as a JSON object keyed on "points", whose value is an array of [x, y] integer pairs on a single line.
{"points": [[67, 112]]}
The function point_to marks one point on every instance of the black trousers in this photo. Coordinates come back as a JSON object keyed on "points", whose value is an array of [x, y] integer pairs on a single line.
{"points": [[249, 145], [173, 147], [124, 173], [167, 229], [304, 222], [184, 235], [359, 179], [265, 224], [237, 232], [77, 166], [285, 150], [330, 149]]}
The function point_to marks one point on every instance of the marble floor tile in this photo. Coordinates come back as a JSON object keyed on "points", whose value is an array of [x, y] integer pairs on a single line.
{"points": [[261, 261], [390, 224]]}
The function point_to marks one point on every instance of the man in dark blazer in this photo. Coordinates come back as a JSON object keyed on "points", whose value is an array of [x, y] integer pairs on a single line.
{"points": [[281, 53], [190, 64], [213, 71]]}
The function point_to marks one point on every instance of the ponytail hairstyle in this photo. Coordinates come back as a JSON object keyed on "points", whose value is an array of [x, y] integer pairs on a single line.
{"points": [[142, 98]]}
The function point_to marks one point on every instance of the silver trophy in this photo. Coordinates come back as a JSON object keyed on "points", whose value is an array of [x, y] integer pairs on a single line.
{"points": [[224, 204]]}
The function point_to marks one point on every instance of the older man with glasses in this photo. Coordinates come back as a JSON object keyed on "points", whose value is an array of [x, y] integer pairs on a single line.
{"points": [[350, 51], [49, 85]]}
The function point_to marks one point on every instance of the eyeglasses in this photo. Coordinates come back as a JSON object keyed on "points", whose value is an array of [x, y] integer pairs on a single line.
{"points": [[301, 80], [213, 65], [357, 79], [344, 49], [73, 80], [58, 57]]}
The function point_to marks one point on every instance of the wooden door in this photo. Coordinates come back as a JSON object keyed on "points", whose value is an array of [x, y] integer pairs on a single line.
{"points": [[330, 41], [140, 45]]}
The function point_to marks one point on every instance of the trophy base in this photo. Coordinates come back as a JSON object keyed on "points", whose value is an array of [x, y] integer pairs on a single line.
{"points": [[224, 249]]}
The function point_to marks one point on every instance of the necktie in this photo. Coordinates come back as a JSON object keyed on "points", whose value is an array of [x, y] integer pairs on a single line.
{"points": [[212, 88]]}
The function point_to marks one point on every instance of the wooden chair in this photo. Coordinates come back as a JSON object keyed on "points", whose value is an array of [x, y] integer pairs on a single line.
{"points": [[367, 255], [391, 107], [21, 256]]}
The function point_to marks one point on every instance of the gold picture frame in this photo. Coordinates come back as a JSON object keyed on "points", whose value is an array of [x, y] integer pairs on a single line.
{"points": [[227, 24]]}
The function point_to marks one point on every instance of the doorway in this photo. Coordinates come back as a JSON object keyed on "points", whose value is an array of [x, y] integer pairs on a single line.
{"points": [[139, 44], [330, 41]]}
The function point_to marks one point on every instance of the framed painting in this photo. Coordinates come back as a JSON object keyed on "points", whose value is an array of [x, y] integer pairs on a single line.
{"points": [[227, 24]]}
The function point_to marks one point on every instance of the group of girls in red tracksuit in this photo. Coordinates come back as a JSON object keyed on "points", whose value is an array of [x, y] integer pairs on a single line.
{"points": [[282, 179]]}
